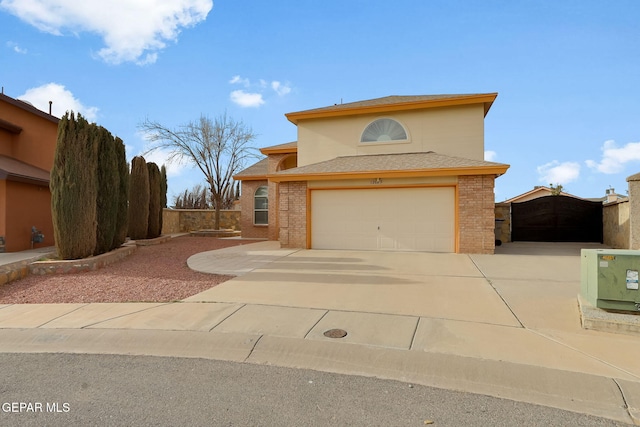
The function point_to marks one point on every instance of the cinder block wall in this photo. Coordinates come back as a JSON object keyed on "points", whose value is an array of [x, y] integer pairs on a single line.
{"points": [[476, 213], [293, 214]]}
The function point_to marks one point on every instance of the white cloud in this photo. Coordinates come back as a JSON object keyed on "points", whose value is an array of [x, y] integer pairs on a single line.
{"points": [[256, 97], [132, 30], [16, 48], [280, 89], [239, 80], [160, 157], [246, 99], [559, 173], [63, 101], [614, 158], [490, 156]]}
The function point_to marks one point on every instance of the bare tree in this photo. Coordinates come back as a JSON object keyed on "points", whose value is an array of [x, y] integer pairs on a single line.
{"points": [[196, 198], [219, 148]]}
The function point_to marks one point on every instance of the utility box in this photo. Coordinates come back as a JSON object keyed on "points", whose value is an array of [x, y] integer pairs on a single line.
{"points": [[609, 278]]}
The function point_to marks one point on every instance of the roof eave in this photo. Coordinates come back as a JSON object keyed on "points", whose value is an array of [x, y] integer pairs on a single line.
{"points": [[413, 173], [486, 99], [290, 150], [249, 177]]}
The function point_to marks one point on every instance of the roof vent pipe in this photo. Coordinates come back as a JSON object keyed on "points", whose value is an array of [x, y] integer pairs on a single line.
{"points": [[50, 103]]}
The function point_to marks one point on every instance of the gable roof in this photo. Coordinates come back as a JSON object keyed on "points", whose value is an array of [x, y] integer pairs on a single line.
{"points": [[542, 190], [289, 147], [15, 170], [28, 107], [390, 166], [254, 172], [394, 103]]}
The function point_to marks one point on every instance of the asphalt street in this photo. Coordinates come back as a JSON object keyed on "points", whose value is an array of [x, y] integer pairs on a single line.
{"points": [[108, 390]]}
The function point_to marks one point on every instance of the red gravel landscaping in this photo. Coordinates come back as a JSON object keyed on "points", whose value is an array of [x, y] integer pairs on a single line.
{"points": [[156, 273]]}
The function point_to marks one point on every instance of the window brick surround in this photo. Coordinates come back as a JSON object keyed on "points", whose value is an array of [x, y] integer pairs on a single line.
{"points": [[246, 207]]}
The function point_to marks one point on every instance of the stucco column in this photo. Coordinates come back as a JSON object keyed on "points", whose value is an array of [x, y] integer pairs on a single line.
{"points": [[634, 211]]}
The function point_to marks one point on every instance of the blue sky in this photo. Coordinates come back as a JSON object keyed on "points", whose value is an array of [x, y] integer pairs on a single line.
{"points": [[567, 72]]}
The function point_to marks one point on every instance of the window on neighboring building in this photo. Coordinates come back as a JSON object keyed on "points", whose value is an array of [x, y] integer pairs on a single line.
{"points": [[261, 206], [384, 130]]}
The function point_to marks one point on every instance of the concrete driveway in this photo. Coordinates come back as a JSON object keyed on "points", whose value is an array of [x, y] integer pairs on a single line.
{"points": [[476, 288], [519, 305]]}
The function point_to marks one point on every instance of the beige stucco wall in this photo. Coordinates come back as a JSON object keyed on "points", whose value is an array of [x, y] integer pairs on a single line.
{"points": [[454, 131], [634, 212], [615, 221]]}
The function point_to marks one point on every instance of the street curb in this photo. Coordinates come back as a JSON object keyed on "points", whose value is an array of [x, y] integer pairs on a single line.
{"points": [[609, 398]]}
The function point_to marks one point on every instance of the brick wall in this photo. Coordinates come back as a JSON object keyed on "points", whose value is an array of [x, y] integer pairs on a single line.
{"points": [[246, 208], [292, 207], [476, 214]]}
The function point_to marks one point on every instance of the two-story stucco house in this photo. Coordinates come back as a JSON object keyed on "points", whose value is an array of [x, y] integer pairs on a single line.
{"points": [[402, 173], [27, 148]]}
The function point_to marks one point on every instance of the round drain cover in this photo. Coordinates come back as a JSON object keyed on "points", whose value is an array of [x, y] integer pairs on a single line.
{"points": [[335, 333]]}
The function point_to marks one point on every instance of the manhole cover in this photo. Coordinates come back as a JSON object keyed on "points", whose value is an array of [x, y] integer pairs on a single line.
{"points": [[335, 333]]}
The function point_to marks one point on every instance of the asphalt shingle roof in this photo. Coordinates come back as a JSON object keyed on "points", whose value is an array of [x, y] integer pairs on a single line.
{"points": [[389, 163], [259, 169], [16, 170]]}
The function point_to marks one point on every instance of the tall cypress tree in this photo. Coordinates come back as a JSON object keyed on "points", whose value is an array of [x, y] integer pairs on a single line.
{"points": [[163, 193], [108, 186], [155, 201], [73, 187], [138, 199], [122, 218]]}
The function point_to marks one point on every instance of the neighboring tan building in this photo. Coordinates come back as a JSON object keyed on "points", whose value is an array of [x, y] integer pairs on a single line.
{"points": [[537, 192], [402, 173], [27, 147]]}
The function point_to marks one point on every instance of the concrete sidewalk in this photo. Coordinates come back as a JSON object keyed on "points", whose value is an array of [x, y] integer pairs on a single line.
{"points": [[505, 325]]}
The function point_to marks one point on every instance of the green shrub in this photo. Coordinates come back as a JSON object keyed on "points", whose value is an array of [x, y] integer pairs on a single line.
{"points": [[108, 186], [73, 187], [138, 199], [163, 193], [155, 200], [122, 217]]}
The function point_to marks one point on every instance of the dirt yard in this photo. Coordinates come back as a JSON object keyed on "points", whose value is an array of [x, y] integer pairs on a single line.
{"points": [[152, 274]]}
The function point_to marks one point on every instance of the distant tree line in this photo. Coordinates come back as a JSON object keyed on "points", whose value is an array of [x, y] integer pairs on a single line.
{"points": [[198, 198]]}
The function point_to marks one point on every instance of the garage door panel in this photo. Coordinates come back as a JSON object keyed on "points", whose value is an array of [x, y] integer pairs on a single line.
{"points": [[408, 219]]}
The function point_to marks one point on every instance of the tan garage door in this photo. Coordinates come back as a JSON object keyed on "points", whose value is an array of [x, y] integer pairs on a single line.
{"points": [[403, 219]]}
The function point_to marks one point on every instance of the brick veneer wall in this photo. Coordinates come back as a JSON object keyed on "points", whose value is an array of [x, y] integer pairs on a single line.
{"points": [[292, 208], [274, 162], [476, 214], [246, 208]]}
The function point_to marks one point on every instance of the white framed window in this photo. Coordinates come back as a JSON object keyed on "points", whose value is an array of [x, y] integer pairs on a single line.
{"points": [[384, 130], [261, 206]]}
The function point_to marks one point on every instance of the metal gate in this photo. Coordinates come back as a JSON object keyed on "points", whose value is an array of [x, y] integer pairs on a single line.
{"points": [[556, 219]]}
